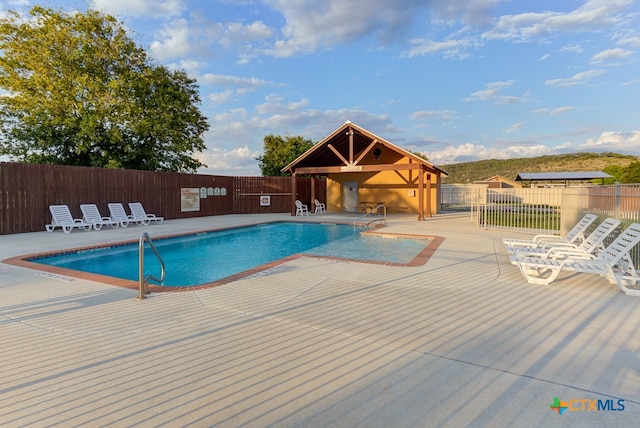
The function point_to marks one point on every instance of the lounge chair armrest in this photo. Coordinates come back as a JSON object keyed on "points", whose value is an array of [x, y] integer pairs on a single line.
{"points": [[560, 244], [560, 253], [546, 236]]}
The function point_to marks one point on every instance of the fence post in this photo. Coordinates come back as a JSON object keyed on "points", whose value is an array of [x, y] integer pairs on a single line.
{"points": [[616, 202]]}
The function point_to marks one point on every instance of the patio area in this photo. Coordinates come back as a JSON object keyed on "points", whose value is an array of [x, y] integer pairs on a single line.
{"points": [[461, 341]]}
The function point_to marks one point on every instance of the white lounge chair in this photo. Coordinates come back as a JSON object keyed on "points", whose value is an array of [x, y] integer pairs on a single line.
{"points": [[591, 246], [91, 215], [320, 207], [138, 213], [301, 209], [575, 235], [61, 217], [614, 264], [117, 213]]}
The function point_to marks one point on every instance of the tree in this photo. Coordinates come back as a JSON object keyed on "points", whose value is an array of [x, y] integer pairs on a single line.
{"points": [[631, 174], [280, 152], [615, 171], [80, 92], [421, 155]]}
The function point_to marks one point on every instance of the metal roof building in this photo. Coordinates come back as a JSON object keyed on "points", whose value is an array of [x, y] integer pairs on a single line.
{"points": [[562, 176]]}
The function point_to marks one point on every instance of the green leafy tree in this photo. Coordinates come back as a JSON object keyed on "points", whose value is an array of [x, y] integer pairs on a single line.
{"points": [[631, 174], [421, 155], [80, 92], [281, 151], [615, 171]]}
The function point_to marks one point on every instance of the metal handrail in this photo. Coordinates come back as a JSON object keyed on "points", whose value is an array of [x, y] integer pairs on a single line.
{"points": [[375, 210], [143, 281]]}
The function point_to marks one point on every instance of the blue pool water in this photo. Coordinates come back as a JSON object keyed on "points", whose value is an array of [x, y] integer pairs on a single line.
{"points": [[207, 257]]}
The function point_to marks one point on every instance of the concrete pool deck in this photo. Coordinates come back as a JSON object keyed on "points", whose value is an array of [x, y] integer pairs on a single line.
{"points": [[462, 340]]}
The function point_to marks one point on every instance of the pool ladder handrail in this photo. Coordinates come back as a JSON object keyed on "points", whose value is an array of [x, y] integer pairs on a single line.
{"points": [[374, 210], [143, 281]]}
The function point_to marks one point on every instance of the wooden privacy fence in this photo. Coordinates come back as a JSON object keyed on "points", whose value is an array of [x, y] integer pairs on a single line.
{"points": [[27, 190], [273, 194]]}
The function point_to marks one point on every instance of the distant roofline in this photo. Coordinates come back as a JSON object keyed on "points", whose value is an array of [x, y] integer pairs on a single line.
{"points": [[561, 176]]}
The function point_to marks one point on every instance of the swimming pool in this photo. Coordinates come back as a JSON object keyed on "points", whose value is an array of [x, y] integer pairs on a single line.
{"points": [[210, 256]]}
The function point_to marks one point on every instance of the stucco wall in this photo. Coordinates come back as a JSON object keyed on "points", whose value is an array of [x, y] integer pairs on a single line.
{"points": [[397, 189]]}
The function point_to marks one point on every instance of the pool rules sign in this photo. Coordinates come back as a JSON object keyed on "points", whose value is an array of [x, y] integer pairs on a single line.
{"points": [[189, 199]]}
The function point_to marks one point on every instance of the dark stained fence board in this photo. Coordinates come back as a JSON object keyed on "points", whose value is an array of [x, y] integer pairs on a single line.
{"points": [[27, 190]]}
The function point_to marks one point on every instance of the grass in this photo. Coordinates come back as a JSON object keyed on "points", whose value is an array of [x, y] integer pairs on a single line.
{"points": [[521, 216]]}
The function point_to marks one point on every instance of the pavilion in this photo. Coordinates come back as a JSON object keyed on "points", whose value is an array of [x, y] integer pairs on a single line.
{"points": [[364, 171]]}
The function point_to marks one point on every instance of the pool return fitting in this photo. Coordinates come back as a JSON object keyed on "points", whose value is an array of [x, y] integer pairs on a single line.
{"points": [[143, 281]]}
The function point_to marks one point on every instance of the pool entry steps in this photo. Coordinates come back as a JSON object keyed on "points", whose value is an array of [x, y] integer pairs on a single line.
{"points": [[373, 210]]}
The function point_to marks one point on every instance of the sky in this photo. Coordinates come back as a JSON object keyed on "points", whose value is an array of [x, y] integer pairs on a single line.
{"points": [[457, 80]]}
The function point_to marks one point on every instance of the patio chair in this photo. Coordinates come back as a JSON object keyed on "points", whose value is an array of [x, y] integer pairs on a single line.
{"points": [[91, 215], [575, 235], [614, 263], [301, 209], [117, 213], [61, 217], [139, 214], [320, 207], [592, 244]]}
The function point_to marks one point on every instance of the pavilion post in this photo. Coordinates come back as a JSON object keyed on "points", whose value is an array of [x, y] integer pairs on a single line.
{"points": [[294, 192], [313, 193], [420, 194], [428, 213]]}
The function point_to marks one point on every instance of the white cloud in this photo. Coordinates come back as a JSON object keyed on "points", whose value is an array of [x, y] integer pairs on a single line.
{"points": [[241, 128], [577, 79], [514, 128], [221, 97], [571, 48], [610, 54], [633, 41], [469, 152], [493, 93], [182, 37], [191, 66], [613, 141], [237, 85], [449, 48], [177, 41], [240, 161], [297, 105], [443, 117], [429, 114], [591, 16], [234, 34], [553, 112], [315, 25], [610, 141], [244, 83], [142, 8], [560, 110]]}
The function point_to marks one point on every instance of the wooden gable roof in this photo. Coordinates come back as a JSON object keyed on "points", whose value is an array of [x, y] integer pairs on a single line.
{"points": [[500, 178], [344, 150]]}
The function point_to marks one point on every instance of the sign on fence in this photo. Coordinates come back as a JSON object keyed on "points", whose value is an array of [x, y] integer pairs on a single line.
{"points": [[190, 199]]}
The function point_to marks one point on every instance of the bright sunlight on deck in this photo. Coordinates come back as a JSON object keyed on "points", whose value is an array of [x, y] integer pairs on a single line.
{"points": [[461, 340]]}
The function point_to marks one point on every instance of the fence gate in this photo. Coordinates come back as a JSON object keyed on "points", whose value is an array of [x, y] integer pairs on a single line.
{"points": [[525, 210]]}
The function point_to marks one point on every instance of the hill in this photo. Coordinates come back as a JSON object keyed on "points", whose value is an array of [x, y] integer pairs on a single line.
{"points": [[467, 172]]}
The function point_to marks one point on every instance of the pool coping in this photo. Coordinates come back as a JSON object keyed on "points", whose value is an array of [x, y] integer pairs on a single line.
{"points": [[64, 273]]}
